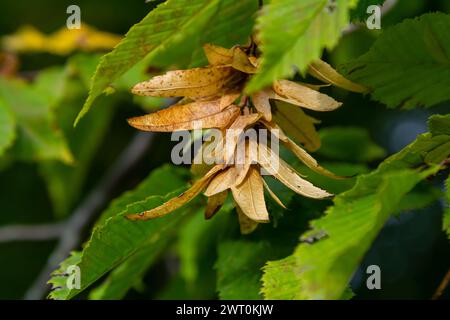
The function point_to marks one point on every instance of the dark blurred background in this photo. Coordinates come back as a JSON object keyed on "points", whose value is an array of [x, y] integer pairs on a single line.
{"points": [[411, 250]]}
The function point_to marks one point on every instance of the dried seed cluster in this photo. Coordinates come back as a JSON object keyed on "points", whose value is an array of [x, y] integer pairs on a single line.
{"points": [[213, 98]]}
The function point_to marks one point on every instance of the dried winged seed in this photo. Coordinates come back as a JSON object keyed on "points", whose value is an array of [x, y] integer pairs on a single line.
{"points": [[196, 82], [246, 224], [287, 175], [218, 55], [301, 154], [194, 115], [214, 204], [203, 160], [228, 99], [273, 195], [261, 102], [323, 71], [249, 196], [241, 61], [179, 201], [316, 87], [298, 125], [303, 96], [235, 131], [308, 160], [222, 181]]}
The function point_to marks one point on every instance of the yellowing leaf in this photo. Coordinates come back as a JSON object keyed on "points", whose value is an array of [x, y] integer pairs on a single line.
{"points": [[298, 125], [192, 83], [61, 42], [177, 202], [249, 196], [288, 176], [214, 204], [323, 71], [300, 95], [194, 115]]}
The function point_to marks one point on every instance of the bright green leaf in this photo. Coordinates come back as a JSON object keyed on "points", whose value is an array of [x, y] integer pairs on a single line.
{"points": [[170, 32], [307, 27]]}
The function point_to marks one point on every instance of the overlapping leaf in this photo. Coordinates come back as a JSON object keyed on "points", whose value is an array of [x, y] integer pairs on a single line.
{"points": [[409, 64], [38, 137], [350, 226], [446, 222], [115, 238], [349, 144]]}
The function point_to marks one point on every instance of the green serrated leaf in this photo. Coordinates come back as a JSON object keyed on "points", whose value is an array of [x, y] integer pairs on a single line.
{"points": [[169, 34], [409, 64], [238, 268], [116, 238], [307, 27]]}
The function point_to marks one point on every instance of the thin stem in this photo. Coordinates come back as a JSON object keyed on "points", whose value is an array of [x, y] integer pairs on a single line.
{"points": [[444, 283]]}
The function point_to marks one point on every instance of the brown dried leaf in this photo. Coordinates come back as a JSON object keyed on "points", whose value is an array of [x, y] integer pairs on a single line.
{"points": [[298, 125], [194, 115], [228, 99], [235, 132], [300, 95], [261, 102], [179, 201], [249, 196], [246, 224], [323, 71], [287, 175], [241, 61], [214, 204], [196, 82]]}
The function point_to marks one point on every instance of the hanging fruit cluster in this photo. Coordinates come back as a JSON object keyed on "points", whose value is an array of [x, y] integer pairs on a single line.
{"points": [[214, 97]]}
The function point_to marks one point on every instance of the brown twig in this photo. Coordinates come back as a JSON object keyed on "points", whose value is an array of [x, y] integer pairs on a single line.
{"points": [[444, 283]]}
